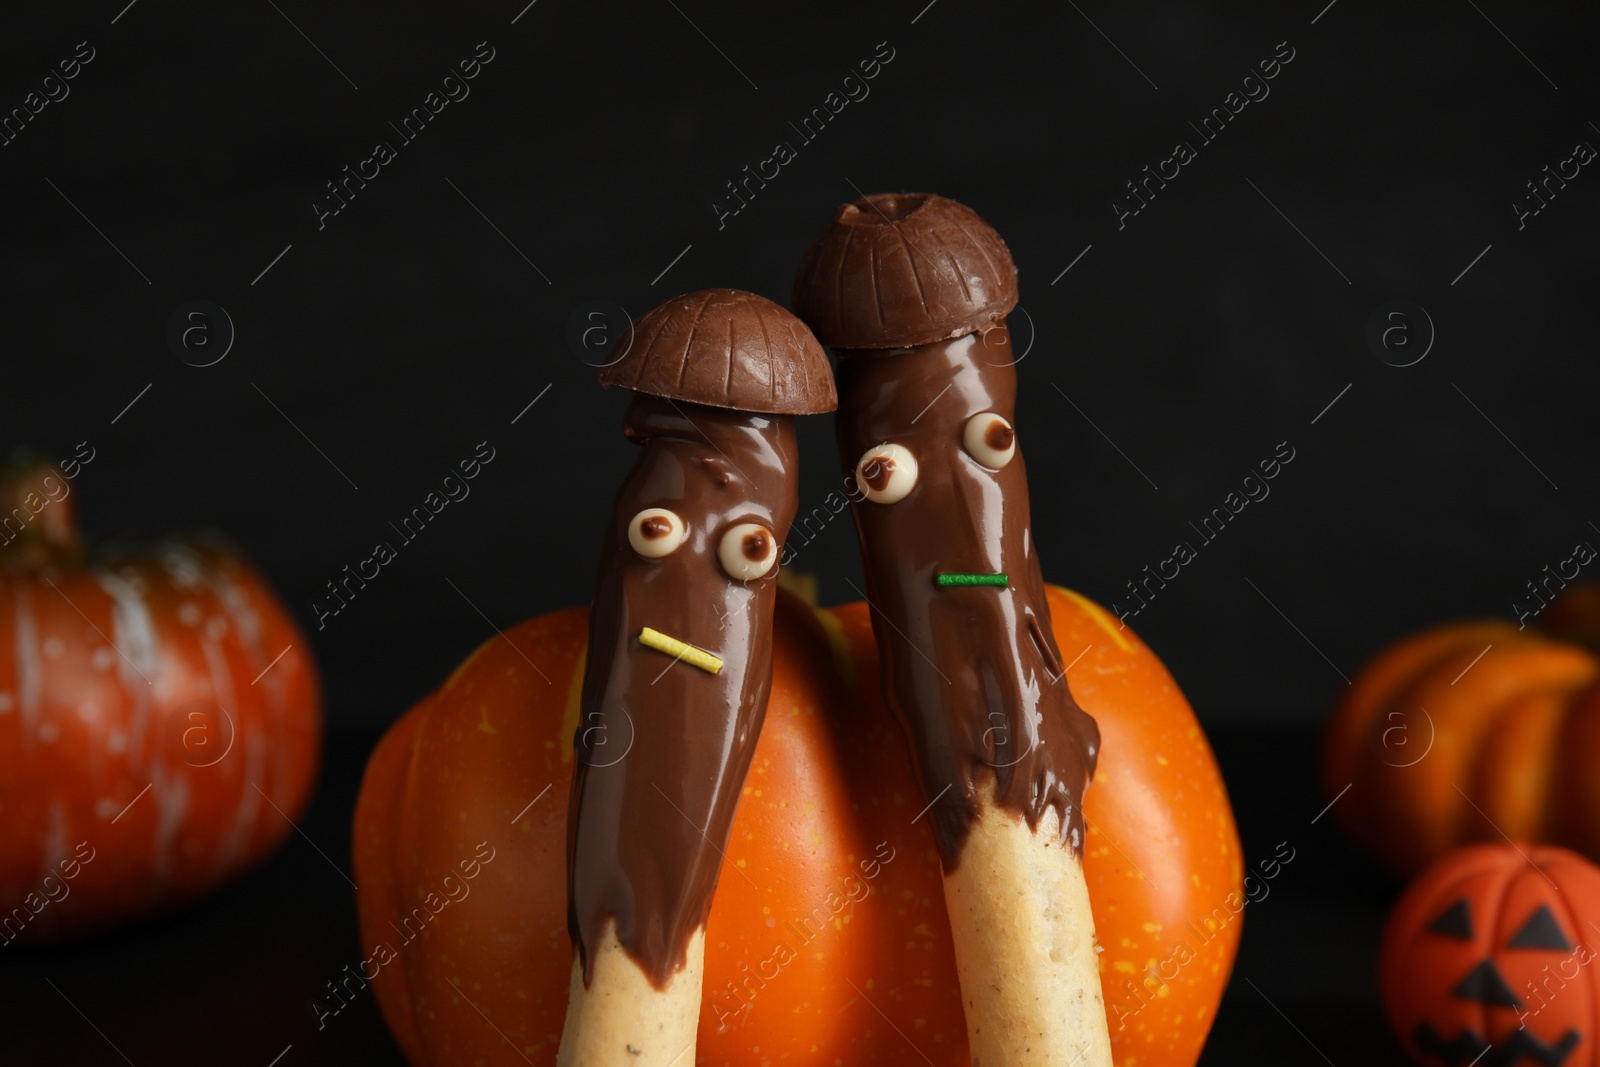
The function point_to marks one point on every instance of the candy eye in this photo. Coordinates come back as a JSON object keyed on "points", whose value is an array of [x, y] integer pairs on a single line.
{"points": [[656, 532], [748, 551], [887, 473], [990, 440]]}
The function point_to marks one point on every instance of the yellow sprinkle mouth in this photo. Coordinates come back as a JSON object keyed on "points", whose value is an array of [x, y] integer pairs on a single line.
{"points": [[698, 657]]}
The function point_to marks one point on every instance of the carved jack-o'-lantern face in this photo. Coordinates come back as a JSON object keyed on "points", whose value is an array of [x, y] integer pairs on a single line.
{"points": [[1489, 959]]}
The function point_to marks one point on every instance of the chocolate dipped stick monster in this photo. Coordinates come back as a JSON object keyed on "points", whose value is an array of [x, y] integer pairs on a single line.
{"points": [[911, 292], [679, 659]]}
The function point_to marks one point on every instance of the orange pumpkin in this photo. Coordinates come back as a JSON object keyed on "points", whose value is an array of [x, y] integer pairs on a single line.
{"points": [[828, 937], [159, 718], [1471, 731], [1488, 958]]}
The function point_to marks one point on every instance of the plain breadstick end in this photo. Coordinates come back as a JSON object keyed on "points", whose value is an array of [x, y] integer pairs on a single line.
{"points": [[1025, 947], [621, 1020]]}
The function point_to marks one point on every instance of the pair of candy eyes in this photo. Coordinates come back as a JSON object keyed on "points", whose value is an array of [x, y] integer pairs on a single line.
{"points": [[886, 473], [747, 551]]}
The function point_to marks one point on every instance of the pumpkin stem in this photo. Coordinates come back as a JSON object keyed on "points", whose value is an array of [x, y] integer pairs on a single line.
{"points": [[38, 521], [1574, 616]]}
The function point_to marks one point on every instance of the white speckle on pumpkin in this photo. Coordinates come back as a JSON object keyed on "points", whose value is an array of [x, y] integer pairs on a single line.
{"points": [[7, 701], [171, 795], [216, 627], [53, 647], [28, 663], [102, 658], [189, 613], [134, 629], [48, 732], [183, 566]]}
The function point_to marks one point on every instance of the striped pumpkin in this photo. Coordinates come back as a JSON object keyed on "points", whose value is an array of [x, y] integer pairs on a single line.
{"points": [[160, 719]]}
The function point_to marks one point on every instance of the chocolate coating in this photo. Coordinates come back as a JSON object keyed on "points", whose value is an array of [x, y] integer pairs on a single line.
{"points": [[662, 747], [904, 269], [973, 672], [725, 348]]}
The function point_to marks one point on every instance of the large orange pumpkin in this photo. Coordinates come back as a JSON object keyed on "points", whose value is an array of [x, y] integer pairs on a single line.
{"points": [[828, 940], [1472, 731], [159, 718], [1489, 959]]}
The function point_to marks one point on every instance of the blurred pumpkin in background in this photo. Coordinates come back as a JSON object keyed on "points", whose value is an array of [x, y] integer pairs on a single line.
{"points": [[1473, 731], [160, 716], [828, 941]]}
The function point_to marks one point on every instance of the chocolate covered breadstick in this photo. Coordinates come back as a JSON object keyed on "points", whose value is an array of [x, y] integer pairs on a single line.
{"points": [[679, 659], [911, 291]]}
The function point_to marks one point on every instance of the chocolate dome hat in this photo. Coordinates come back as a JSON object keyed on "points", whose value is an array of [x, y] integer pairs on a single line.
{"points": [[901, 269], [728, 349]]}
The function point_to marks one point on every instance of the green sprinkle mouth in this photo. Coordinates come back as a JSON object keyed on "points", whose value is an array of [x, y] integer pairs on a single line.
{"points": [[999, 580]]}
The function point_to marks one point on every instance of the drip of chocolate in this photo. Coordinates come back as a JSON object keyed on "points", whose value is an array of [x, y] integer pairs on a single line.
{"points": [[911, 290], [663, 745]]}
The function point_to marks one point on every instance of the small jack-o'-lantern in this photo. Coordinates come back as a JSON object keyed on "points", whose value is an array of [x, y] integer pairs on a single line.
{"points": [[1489, 959]]}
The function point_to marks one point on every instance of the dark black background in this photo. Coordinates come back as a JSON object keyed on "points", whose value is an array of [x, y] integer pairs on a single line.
{"points": [[408, 329]]}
